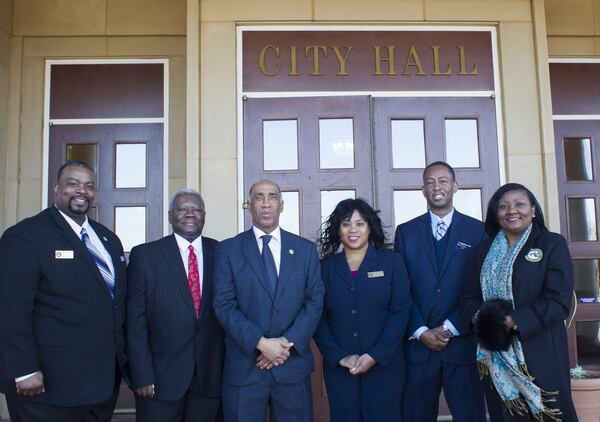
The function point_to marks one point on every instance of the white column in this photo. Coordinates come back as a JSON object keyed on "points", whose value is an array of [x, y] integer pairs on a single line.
{"points": [[193, 95]]}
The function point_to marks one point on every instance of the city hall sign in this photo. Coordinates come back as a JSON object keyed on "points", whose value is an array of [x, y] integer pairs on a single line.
{"points": [[367, 60]]}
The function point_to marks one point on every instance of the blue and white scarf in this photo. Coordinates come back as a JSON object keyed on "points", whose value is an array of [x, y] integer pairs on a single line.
{"points": [[508, 369]]}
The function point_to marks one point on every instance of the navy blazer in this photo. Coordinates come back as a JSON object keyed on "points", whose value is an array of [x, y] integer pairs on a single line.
{"points": [[56, 313], [364, 314], [166, 343], [436, 291], [542, 292], [247, 311]]}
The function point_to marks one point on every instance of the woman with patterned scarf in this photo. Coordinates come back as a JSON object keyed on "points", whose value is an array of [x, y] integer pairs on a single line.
{"points": [[518, 297]]}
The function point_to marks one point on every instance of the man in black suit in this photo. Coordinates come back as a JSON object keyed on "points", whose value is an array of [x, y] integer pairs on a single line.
{"points": [[62, 309], [174, 342]]}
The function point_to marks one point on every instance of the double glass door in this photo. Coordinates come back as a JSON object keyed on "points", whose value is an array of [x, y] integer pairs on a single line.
{"points": [[324, 149]]}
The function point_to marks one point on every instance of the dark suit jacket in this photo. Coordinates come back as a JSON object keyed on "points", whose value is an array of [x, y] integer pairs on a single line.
{"points": [[365, 314], [165, 340], [542, 294], [57, 315], [247, 311], [436, 291]]}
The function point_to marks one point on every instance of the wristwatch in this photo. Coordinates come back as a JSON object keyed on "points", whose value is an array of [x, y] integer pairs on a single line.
{"points": [[447, 332]]}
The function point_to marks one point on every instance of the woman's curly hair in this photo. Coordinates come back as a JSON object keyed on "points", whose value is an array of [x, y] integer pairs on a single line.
{"points": [[329, 235]]}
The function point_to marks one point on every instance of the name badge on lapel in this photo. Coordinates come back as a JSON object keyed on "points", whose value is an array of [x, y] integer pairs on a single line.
{"points": [[123, 259], [461, 246], [58, 254], [375, 274]]}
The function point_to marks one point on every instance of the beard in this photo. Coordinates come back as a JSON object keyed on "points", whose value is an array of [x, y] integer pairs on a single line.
{"points": [[79, 209]]}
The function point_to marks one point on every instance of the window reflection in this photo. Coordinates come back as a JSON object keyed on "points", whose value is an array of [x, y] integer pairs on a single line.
{"points": [[130, 226], [582, 219], [408, 144], [130, 167], [587, 278], [408, 204], [290, 216], [280, 145], [330, 198], [462, 143], [468, 201], [588, 342], [578, 159], [336, 143], [86, 153]]}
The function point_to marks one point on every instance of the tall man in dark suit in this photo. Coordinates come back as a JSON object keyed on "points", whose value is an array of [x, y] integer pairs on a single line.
{"points": [[437, 249], [174, 342], [62, 297], [268, 298]]}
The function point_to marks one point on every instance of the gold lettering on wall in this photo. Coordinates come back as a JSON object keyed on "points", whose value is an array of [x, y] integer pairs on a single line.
{"points": [[463, 63], [436, 63], [341, 59], [261, 60], [390, 60], [413, 60], [316, 49], [293, 60]]}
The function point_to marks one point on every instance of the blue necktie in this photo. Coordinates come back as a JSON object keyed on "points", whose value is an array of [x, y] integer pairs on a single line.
{"points": [[109, 279], [269, 263], [440, 230]]}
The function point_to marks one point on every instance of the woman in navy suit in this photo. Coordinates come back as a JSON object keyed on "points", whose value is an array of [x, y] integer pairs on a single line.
{"points": [[367, 301]]}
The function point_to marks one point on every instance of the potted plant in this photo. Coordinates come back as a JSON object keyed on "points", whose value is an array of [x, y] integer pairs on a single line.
{"points": [[585, 389]]}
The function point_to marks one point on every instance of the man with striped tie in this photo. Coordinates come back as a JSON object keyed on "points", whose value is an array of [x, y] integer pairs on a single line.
{"points": [[62, 293], [437, 248]]}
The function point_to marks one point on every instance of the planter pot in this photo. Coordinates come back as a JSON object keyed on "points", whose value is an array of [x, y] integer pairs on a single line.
{"points": [[586, 397]]}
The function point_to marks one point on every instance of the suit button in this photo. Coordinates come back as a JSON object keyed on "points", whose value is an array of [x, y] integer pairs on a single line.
{"points": [[273, 312], [438, 290], [354, 311], [355, 334], [115, 306]]}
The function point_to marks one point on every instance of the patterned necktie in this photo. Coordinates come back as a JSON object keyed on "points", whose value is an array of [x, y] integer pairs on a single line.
{"points": [[269, 263], [107, 276], [440, 230], [194, 280]]}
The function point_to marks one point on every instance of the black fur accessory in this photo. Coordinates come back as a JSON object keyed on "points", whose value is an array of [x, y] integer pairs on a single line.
{"points": [[490, 327]]}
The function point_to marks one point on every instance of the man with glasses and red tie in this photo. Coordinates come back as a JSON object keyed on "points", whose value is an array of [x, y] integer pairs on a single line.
{"points": [[437, 248], [62, 297], [174, 342]]}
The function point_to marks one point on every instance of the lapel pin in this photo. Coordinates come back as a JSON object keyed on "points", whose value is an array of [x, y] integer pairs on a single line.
{"points": [[534, 255], [104, 238], [291, 252]]}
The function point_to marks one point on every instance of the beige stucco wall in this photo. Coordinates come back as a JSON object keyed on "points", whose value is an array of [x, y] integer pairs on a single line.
{"points": [[528, 152], [573, 28], [155, 28], [5, 32], [65, 29]]}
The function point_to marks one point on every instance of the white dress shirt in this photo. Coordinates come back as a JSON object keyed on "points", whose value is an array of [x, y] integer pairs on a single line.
{"points": [[274, 244], [185, 253]]}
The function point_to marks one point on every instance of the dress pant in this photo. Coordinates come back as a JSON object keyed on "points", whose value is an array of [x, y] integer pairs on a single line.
{"points": [[286, 402], [23, 410], [462, 390], [192, 407]]}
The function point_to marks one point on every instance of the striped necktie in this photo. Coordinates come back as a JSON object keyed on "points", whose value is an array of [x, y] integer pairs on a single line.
{"points": [[269, 263], [440, 230], [107, 276]]}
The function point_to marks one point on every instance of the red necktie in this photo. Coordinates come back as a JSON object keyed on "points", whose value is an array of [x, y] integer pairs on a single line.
{"points": [[194, 279]]}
